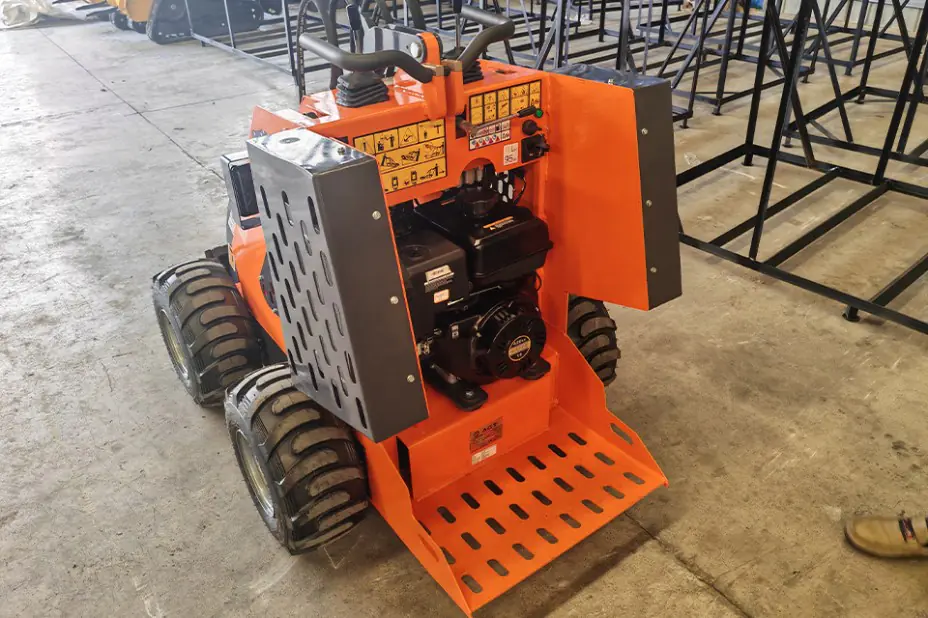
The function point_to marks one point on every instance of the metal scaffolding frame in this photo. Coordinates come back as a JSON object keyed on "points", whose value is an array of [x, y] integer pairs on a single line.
{"points": [[876, 184], [860, 92]]}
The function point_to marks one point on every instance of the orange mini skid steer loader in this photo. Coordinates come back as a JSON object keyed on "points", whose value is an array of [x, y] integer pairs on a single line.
{"points": [[402, 316]]}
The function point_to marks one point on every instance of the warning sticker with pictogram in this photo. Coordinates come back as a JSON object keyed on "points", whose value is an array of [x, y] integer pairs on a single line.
{"points": [[408, 155], [499, 104], [490, 134]]}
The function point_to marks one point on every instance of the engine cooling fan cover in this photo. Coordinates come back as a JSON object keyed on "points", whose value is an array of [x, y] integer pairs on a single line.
{"points": [[510, 338]]}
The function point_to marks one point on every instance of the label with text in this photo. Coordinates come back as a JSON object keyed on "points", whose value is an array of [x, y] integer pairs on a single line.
{"points": [[482, 455], [486, 435]]}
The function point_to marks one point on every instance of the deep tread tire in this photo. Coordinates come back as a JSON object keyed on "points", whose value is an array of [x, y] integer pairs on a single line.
{"points": [[308, 459], [593, 332], [199, 304]]}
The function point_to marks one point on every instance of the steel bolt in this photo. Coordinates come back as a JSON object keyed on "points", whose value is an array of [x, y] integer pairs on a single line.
{"points": [[394, 300], [647, 203], [653, 269], [376, 215], [341, 150], [644, 131], [410, 378]]}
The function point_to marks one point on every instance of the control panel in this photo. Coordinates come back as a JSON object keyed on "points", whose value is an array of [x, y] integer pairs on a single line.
{"points": [[494, 116]]}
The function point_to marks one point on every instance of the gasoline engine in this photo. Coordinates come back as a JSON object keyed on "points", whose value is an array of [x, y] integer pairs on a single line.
{"points": [[469, 261]]}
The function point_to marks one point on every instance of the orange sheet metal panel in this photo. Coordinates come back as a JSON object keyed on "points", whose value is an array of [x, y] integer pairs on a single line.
{"points": [[499, 526], [390, 496], [246, 252], [451, 443], [593, 204], [518, 510]]}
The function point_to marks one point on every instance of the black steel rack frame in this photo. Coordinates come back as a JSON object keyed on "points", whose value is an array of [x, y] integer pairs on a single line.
{"points": [[274, 36], [736, 41], [876, 183], [854, 34], [860, 92]]}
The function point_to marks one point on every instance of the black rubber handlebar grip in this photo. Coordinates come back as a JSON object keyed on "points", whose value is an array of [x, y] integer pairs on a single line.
{"points": [[366, 62], [497, 29]]}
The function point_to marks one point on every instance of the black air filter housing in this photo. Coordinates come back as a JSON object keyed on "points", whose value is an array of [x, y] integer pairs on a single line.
{"points": [[434, 274], [503, 242]]}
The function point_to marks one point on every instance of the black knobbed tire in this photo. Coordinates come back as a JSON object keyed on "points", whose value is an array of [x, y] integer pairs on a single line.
{"points": [[302, 465], [119, 20], [139, 26], [210, 336], [593, 332]]}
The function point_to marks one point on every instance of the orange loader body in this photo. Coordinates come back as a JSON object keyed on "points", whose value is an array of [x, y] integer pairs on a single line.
{"points": [[491, 496]]}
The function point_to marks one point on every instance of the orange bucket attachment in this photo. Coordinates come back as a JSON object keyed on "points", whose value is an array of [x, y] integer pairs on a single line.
{"points": [[492, 524]]}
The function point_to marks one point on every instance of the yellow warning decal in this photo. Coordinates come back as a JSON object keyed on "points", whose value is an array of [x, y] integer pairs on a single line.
{"points": [[534, 94], [412, 176], [407, 155], [386, 140], [502, 104], [431, 129], [365, 144], [411, 155], [499, 104]]}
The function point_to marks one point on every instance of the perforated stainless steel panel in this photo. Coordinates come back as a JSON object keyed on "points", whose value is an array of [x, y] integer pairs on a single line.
{"points": [[339, 292]]}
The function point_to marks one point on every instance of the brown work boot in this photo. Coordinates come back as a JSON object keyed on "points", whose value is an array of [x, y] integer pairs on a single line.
{"points": [[889, 537]]}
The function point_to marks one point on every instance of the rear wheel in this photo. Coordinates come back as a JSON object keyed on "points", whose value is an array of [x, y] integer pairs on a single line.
{"points": [[209, 335], [593, 332], [301, 464]]}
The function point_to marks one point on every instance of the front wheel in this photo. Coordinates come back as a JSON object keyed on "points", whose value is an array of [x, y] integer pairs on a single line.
{"points": [[301, 464]]}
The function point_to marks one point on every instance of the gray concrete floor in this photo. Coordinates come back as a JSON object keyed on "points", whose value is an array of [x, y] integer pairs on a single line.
{"points": [[773, 418]]}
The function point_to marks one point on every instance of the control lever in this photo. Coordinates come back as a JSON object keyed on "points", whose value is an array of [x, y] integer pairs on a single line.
{"points": [[356, 27], [497, 28], [456, 6]]}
